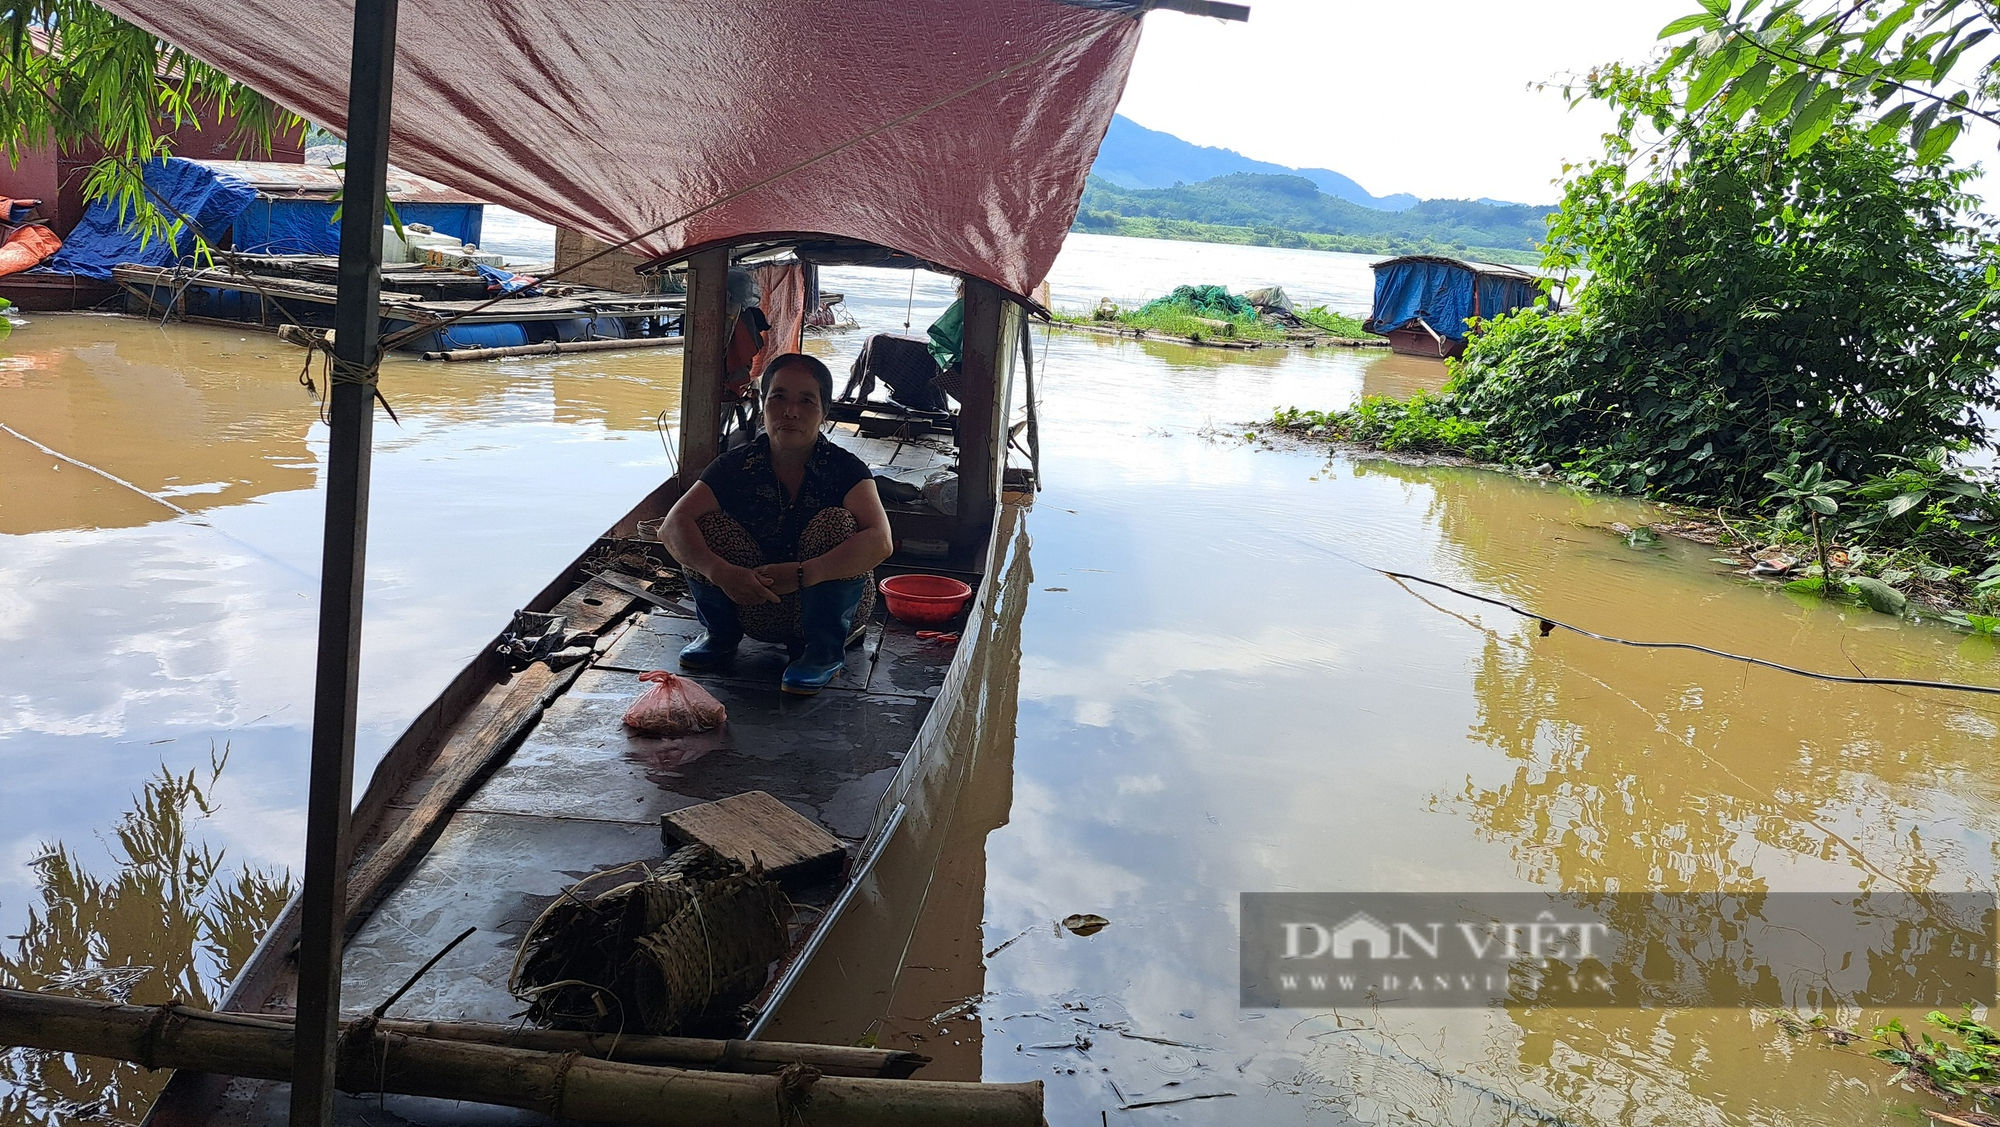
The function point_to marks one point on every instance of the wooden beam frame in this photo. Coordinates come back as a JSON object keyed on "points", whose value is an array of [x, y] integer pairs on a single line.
{"points": [[706, 328], [351, 419], [982, 416]]}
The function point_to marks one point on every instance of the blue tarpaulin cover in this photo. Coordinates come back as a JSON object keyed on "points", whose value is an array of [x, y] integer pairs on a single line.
{"points": [[306, 226], [1444, 294], [100, 242]]}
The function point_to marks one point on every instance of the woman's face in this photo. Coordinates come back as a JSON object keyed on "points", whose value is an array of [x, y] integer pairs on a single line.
{"points": [[792, 408]]}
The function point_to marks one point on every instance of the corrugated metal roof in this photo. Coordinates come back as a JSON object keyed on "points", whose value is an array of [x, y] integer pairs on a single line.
{"points": [[310, 182], [1484, 269]]}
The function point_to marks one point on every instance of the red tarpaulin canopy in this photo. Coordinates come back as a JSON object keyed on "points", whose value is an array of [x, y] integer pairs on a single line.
{"points": [[973, 123]]}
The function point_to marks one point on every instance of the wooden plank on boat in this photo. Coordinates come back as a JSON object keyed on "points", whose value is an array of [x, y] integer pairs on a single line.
{"points": [[755, 829], [503, 719]]}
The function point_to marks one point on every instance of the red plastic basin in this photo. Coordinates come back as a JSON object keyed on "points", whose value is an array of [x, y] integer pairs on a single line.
{"points": [[925, 600]]}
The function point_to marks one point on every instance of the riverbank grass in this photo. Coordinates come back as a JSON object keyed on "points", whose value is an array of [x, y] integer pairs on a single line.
{"points": [[1926, 535], [1422, 424], [1177, 322], [1165, 319]]}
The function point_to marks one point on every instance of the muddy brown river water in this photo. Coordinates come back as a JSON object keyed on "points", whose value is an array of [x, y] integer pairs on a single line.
{"points": [[1204, 697]]}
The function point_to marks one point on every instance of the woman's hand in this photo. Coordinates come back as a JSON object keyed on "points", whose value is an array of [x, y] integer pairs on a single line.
{"points": [[780, 578], [744, 586]]}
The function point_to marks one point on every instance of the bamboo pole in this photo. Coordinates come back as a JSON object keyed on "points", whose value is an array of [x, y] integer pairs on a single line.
{"points": [[677, 1052], [702, 1053], [555, 348], [562, 1085]]}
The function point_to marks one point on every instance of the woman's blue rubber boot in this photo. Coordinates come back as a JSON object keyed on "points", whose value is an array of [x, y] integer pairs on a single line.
{"points": [[721, 630], [826, 612]]}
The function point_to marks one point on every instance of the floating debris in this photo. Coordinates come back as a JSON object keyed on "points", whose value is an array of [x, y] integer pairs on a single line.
{"points": [[1085, 923]]}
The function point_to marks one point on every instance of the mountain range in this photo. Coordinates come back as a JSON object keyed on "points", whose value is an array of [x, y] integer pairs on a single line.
{"points": [[1134, 156], [1152, 184]]}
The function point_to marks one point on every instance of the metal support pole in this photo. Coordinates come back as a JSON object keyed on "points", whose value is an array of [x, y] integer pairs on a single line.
{"points": [[351, 412]]}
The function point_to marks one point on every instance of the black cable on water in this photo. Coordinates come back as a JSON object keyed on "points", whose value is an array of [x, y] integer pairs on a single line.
{"points": [[1550, 624]]}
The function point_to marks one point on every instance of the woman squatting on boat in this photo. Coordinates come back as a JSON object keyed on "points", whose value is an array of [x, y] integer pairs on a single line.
{"points": [[781, 536]]}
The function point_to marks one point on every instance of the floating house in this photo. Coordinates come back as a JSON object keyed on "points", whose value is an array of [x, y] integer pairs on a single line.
{"points": [[277, 223], [293, 211], [1425, 303], [252, 207]]}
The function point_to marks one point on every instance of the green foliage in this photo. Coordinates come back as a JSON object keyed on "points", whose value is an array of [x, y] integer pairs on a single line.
{"points": [[74, 76], [170, 923], [1146, 227], [1969, 1068], [1747, 309], [1264, 210], [1912, 63], [1931, 504], [1805, 492], [1202, 301], [1423, 423], [1339, 324], [1196, 312], [1170, 320]]}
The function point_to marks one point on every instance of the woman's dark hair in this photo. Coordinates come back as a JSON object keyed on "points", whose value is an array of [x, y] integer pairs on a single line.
{"points": [[810, 363]]}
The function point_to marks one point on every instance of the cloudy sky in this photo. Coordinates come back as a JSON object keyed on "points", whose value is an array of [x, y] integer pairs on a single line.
{"points": [[1422, 96]]}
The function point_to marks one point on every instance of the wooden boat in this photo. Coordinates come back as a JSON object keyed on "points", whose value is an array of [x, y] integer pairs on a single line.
{"points": [[511, 786], [969, 158]]}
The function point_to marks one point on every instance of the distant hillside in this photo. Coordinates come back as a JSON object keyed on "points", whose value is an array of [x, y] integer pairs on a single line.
{"points": [[1288, 210], [1134, 156]]}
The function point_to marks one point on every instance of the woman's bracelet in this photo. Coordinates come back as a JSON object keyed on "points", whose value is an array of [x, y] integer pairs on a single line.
{"points": [[802, 575]]}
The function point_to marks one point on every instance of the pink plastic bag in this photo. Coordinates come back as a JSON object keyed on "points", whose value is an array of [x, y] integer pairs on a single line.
{"points": [[674, 707]]}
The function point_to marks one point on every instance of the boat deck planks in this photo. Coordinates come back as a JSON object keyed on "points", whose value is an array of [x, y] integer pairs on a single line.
{"points": [[582, 793], [487, 732]]}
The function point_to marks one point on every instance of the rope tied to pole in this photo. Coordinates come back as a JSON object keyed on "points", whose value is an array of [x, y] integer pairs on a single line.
{"points": [[149, 1040], [559, 1085], [336, 371], [794, 1091]]}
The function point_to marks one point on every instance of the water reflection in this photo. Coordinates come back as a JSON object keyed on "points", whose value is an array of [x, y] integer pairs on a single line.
{"points": [[171, 922], [1212, 700], [130, 634], [914, 936]]}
